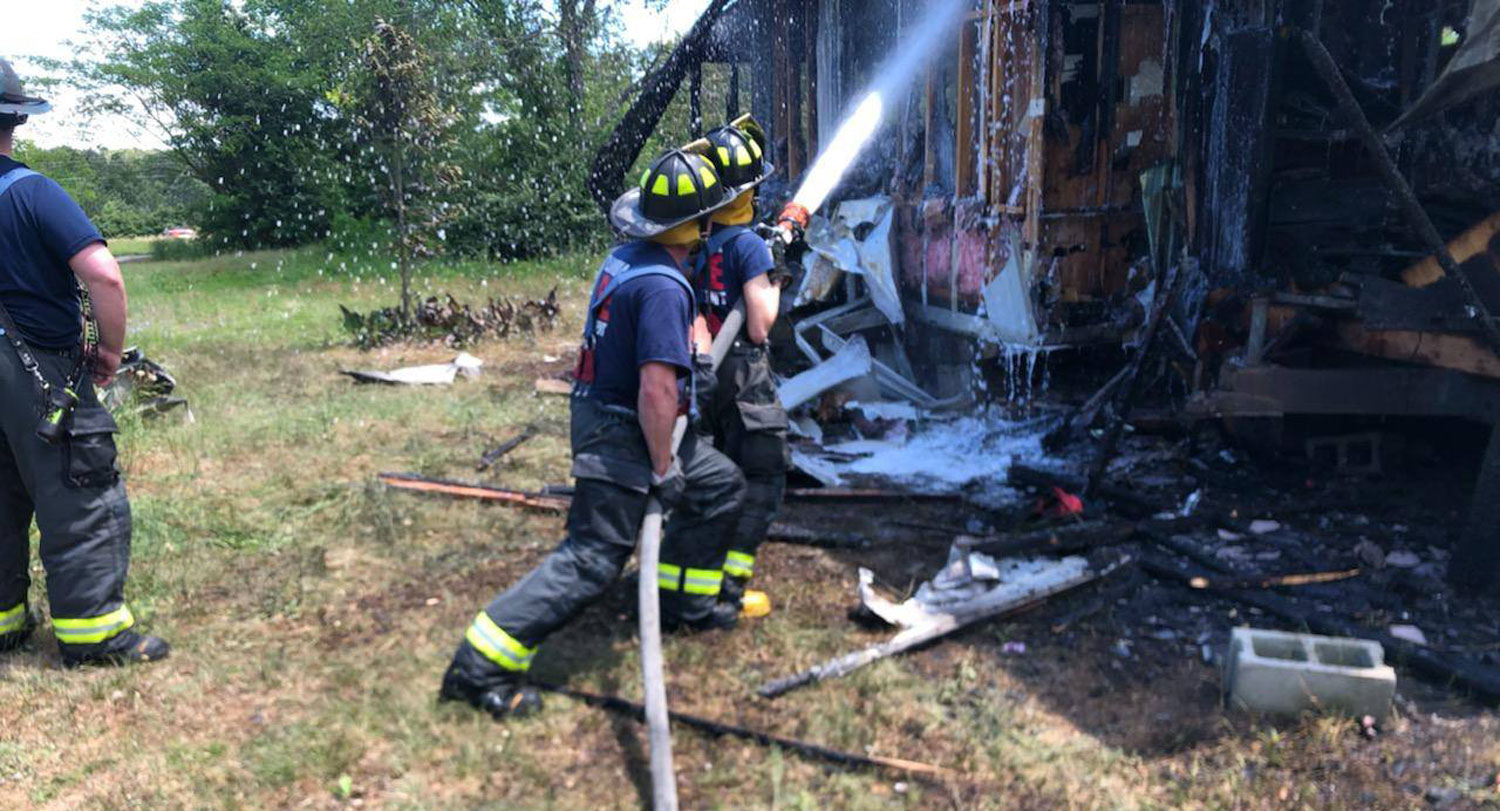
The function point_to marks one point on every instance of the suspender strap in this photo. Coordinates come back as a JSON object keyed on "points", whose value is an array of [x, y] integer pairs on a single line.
{"points": [[720, 237], [12, 177], [618, 272]]}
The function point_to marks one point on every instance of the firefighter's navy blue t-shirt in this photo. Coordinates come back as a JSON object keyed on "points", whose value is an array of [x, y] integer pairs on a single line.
{"points": [[41, 228], [650, 320], [743, 258]]}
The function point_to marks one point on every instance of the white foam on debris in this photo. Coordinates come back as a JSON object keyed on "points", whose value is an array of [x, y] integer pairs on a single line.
{"points": [[945, 455]]}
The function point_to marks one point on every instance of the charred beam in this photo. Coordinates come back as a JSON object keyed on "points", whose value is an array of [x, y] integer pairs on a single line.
{"points": [[619, 153], [1416, 216]]}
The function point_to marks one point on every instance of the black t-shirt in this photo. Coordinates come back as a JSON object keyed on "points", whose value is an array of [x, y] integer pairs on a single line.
{"points": [[649, 319], [744, 257], [41, 228]]}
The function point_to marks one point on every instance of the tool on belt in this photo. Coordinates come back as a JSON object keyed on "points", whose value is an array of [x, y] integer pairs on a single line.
{"points": [[59, 402]]}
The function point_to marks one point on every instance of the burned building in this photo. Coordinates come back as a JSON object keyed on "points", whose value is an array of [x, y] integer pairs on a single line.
{"points": [[1274, 178]]}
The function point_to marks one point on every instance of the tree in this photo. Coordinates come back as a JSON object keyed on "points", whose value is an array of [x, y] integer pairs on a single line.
{"points": [[399, 109]]}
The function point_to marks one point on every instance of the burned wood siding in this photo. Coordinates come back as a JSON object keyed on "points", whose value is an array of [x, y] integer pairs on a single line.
{"points": [[1236, 166]]}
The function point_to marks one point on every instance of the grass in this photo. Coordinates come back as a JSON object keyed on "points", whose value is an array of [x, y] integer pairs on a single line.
{"points": [[312, 614], [132, 246]]}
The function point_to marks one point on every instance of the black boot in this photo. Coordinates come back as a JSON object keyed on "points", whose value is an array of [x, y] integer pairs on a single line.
{"points": [[503, 697], [128, 648], [733, 591], [15, 639], [677, 616]]}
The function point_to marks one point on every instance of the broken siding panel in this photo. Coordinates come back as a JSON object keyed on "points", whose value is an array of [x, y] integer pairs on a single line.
{"points": [[1143, 118]]}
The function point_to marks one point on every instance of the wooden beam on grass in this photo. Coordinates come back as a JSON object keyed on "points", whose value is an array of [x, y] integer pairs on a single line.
{"points": [[516, 498]]}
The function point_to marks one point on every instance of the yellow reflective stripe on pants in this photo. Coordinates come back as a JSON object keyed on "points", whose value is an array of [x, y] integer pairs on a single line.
{"points": [[707, 582], [668, 577], [13, 619], [739, 564], [92, 630], [498, 646]]}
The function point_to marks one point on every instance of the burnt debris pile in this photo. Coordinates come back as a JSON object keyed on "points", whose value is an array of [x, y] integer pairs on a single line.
{"points": [[453, 323]]}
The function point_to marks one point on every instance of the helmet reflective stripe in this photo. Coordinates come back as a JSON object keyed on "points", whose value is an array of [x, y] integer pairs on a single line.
{"points": [[737, 156]]}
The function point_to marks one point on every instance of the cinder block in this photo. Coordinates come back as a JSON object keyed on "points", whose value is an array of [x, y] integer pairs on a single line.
{"points": [[1351, 453], [1286, 674]]}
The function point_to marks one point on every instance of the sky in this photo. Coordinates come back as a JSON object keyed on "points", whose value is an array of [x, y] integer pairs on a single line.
{"points": [[42, 29]]}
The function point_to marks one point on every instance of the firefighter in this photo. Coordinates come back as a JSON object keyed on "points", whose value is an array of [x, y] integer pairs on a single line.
{"points": [[746, 417], [633, 380], [57, 446]]}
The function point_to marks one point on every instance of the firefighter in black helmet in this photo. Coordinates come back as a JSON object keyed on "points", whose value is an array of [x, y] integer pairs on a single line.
{"points": [[633, 380], [746, 417], [57, 443]]}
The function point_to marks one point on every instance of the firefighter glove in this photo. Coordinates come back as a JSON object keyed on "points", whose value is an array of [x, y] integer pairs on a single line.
{"points": [[669, 487]]}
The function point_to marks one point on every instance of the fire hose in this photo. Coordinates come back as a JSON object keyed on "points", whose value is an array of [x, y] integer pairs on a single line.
{"points": [[658, 719]]}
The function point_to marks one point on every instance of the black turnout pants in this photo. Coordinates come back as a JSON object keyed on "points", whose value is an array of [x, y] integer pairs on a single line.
{"points": [[612, 470], [749, 425], [73, 489]]}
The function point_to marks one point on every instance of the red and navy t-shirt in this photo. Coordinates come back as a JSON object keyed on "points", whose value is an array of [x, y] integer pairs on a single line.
{"points": [[649, 319], [743, 258], [41, 229]]}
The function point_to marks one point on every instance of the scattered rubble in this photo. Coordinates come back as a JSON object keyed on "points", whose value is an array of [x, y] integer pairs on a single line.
{"points": [[490, 457], [971, 588], [143, 386]]}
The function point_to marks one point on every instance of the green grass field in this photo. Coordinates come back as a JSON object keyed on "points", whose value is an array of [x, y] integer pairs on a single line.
{"points": [[312, 613]]}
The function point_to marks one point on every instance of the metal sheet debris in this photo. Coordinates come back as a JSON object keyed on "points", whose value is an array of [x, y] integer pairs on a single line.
{"points": [[1022, 583], [439, 374], [852, 362]]}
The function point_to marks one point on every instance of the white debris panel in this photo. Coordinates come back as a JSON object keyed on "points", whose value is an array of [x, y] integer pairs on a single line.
{"points": [[439, 374], [838, 248]]}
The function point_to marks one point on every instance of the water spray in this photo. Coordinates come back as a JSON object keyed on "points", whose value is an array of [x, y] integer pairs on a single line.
{"points": [[861, 124]]}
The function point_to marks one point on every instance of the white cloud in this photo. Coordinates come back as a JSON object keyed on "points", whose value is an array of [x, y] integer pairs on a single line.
{"points": [[47, 30], [644, 26]]}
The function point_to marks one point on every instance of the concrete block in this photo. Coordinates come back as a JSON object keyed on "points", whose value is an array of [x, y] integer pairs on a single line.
{"points": [[1286, 674]]}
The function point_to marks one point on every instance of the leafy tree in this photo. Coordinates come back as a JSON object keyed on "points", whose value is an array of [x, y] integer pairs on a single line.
{"points": [[270, 104], [397, 104]]}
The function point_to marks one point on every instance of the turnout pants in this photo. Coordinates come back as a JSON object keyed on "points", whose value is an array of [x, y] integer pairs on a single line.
{"points": [[612, 469], [749, 425], [74, 491]]}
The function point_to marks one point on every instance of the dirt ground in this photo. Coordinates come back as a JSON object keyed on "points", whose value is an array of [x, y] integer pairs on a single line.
{"points": [[312, 612]]}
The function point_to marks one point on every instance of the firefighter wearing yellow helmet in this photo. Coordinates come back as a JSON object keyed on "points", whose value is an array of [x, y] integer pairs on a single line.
{"points": [[633, 379], [745, 416]]}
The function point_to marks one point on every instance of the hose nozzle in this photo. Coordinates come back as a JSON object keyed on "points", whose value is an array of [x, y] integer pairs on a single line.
{"points": [[794, 217]]}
